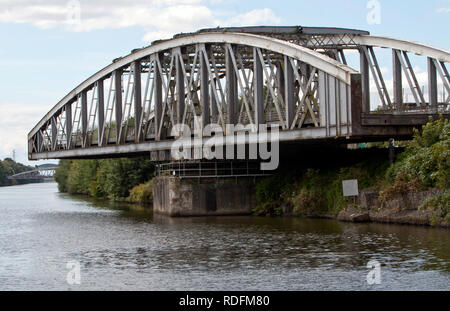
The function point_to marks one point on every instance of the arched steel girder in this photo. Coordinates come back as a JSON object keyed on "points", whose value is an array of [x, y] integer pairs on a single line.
{"points": [[405, 46], [308, 56]]}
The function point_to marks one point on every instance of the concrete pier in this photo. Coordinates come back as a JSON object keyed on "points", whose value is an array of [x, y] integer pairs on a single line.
{"points": [[176, 197]]}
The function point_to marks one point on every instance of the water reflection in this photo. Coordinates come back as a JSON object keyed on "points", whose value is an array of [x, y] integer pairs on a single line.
{"points": [[227, 243]]}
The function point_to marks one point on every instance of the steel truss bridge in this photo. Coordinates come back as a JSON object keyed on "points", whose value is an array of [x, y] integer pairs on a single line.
{"points": [[40, 174], [295, 77]]}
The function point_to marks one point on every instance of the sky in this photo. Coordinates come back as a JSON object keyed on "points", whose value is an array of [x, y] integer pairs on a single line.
{"points": [[50, 46]]}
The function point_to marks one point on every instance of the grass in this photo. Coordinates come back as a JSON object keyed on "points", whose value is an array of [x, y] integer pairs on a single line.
{"points": [[142, 194]]}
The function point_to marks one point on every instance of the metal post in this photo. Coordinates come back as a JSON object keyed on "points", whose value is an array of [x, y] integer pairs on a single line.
{"points": [[259, 88], [137, 100], [68, 124], [40, 141], [101, 111], [343, 59], [214, 109], [432, 83], [118, 102], [232, 91], [204, 90], [212, 86], [356, 103], [281, 80], [84, 118], [323, 98], [54, 132], [180, 88], [365, 82], [289, 91], [397, 74], [158, 97]]}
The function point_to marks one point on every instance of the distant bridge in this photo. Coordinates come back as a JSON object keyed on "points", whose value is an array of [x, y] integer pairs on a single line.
{"points": [[295, 77], [42, 173]]}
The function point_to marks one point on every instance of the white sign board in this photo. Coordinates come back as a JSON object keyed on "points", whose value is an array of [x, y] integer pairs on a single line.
{"points": [[350, 188]]}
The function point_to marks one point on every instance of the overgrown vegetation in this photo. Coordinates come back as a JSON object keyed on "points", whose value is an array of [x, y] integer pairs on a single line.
{"points": [[315, 190], [106, 178], [425, 164], [318, 191], [426, 161], [142, 193], [440, 205]]}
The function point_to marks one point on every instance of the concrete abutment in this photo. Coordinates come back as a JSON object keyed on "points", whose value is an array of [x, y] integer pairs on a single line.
{"points": [[177, 197]]}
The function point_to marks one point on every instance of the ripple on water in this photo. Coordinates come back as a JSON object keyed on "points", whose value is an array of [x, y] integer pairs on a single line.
{"points": [[121, 247]]}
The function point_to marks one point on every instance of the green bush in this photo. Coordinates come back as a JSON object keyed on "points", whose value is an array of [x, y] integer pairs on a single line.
{"points": [[142, 193], [270, 193], [311, 191], [110, 178], [61, 175], [315, 191], [425, 163], [440, 205]]}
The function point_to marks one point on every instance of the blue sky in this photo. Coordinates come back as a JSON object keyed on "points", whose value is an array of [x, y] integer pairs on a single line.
{"points": [[43, 56]]}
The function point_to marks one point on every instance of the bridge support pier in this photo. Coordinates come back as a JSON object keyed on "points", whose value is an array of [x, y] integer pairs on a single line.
{"points": [[177, 197]]}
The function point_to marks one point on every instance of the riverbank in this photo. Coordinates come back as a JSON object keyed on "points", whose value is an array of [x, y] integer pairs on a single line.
{"points": [[318, 194], [414, 190], [403, 210], [9, 167], [111, 179]]}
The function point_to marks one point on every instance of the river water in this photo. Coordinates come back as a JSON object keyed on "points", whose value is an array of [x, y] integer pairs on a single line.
{"points": [[122, 247]]}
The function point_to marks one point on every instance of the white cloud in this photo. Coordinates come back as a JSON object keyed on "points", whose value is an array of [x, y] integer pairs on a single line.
{"points": [[443, 10], [101, 14], [16, 120], [255, 17], [160, 18]]}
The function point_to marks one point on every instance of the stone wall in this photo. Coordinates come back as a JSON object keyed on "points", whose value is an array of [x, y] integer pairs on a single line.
{"points": [[401, 209]]}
